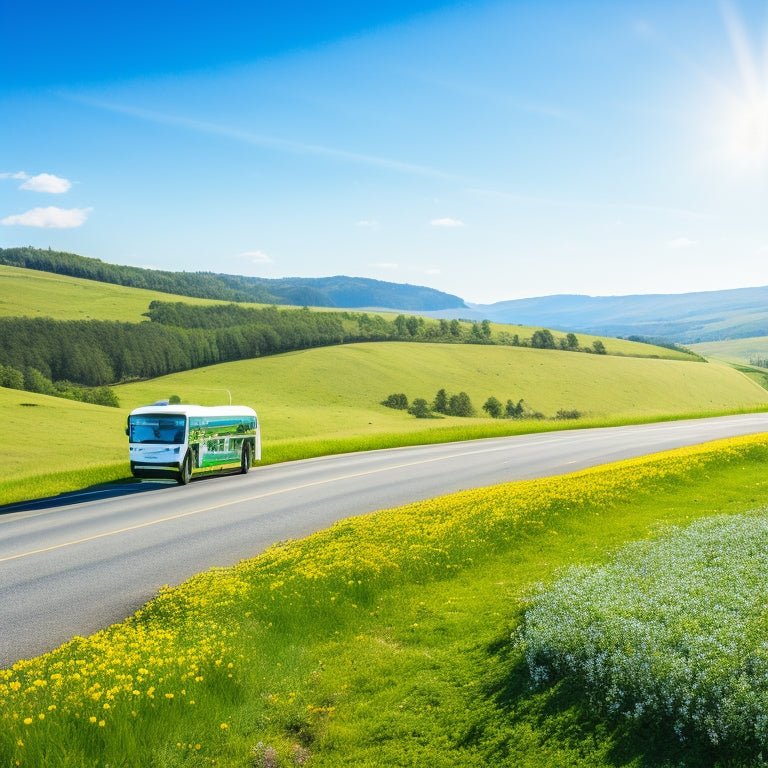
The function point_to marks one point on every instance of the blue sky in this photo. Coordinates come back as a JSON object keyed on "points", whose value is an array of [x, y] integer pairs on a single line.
{"points": [[493, 150]]}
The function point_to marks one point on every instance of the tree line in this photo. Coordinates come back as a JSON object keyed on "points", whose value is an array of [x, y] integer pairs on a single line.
{"points": [[64, 356], [444, 404]]}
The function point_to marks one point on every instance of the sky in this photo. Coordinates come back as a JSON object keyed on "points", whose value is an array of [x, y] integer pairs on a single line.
{"points": [[492, 150]]}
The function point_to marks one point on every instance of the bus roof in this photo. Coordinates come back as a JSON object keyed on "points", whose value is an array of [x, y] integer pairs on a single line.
{"points": [[195, 410]]}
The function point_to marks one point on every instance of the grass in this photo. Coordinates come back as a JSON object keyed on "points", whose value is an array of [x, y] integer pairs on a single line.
{"points": [[327, 400], [734, 350], [385, 640], [31, 293]]}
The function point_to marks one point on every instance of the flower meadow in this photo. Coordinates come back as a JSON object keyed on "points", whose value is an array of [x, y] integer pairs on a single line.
{"points": [[235, 667], [674, 629]]}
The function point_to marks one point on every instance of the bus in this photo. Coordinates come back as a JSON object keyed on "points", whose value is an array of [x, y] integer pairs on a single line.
{"points": [[185, 441]]}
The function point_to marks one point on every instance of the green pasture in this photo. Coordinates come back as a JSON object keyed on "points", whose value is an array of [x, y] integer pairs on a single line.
{"points": [[734, 350], [335, 392], [32, 293]]}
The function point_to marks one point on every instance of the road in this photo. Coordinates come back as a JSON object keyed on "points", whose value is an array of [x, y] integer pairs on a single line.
{"points": [[71, 566]]}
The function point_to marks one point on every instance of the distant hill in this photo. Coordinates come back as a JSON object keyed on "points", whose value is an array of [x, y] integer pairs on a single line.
{"points": [[339, 292], [685, 318]]}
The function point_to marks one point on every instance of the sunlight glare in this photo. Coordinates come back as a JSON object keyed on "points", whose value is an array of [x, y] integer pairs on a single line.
{"points": [[742, 116]]}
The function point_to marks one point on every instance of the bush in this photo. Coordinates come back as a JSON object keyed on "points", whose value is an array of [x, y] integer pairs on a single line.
{"points": [[672, 630], [420, 408], [572, 414], [398, 401], [11, 378], [493, 407]]}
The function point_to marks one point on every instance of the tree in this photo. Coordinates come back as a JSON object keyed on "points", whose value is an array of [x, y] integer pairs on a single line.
{"points": [[460, 405], [599, 347], [441, 402], [571, 342], [512, 411], [493, 407], [419, 408], [11, 378], [543, 339]]}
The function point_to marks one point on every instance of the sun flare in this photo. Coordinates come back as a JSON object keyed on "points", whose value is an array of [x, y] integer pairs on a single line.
{"points": [[741, 114]]}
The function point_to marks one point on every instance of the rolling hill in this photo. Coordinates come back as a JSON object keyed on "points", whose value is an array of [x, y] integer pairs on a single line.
{"points": [[682, 318]]}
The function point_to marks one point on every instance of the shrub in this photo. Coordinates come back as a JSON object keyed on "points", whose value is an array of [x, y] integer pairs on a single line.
{"points": [[420, 408], [397, 401], [11, 378], [493, 407], [572, 414], [671, 630]]}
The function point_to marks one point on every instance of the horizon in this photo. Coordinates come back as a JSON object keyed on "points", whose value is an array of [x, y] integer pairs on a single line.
{"points": [[492, 151]]}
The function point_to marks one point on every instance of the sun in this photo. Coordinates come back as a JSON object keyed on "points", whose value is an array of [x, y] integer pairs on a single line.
{"points": [[740, 117]]}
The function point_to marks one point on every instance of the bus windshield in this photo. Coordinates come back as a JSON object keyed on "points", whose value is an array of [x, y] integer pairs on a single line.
{"points": [[156, 428]]}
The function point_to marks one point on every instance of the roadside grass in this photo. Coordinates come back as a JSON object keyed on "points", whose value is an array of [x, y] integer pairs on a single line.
{"points": [[383, 640], [324, 401]]}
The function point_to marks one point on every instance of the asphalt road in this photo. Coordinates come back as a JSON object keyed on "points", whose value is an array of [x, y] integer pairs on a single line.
{"points": [[73, 565]]}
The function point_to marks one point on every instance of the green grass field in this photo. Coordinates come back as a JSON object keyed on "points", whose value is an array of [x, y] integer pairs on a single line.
{"points": [[386, 640], [734, 350], [327, 400], [31, 293]]}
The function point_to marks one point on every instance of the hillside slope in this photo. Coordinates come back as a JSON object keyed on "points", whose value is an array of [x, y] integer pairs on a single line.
{"points": [[341, 291], [336, 391]]}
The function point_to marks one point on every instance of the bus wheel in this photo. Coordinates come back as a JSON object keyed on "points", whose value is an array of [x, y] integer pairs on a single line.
{"points": [[185, 472], [245, 460]]}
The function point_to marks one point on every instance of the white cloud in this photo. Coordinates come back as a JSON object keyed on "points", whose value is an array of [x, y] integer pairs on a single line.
{"points": [[18, 175], [447, 223], [49, 218], [374, 225], [680, 242], [46, 182], [385, 265], [256, 257]]}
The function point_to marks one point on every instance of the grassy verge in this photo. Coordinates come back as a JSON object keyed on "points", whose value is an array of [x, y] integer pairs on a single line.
{"points": [[50, 484], [384, 640]]}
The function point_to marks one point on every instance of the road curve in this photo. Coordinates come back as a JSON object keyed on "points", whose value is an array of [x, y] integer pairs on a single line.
{"points": [[74, 565]]}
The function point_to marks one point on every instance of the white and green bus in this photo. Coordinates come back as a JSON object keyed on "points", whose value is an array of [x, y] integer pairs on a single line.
{"points": [[184, 441]]}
